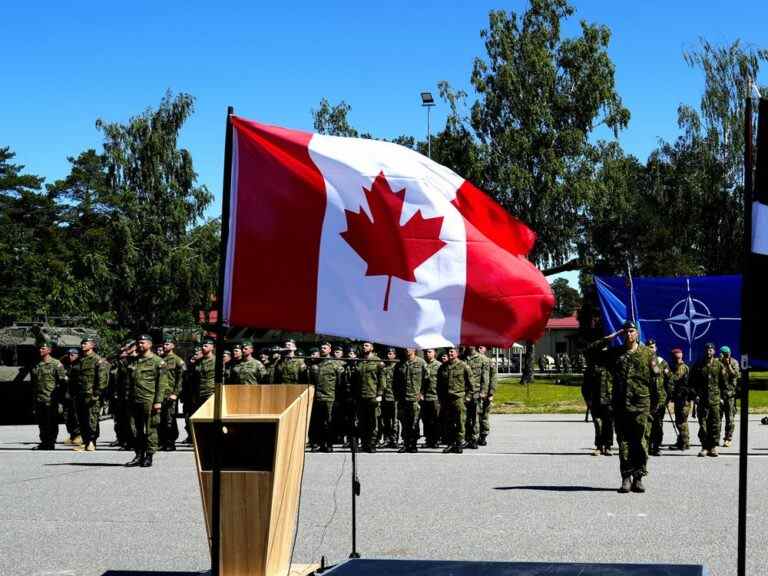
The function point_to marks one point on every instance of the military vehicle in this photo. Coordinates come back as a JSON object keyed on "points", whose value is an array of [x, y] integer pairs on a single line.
{"points": [[19, 354]]}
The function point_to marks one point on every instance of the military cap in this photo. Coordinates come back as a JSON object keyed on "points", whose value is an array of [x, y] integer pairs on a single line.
{"points": [[326, 343], [45, 344], [264, 351], [73, 351], [146, 337], [227, 352], [629, 325], [710, 345], [650, 342], [290, 340], [88, 339], [676, 351], [725, 350], [247, 343], [197, 349], [208, 340], [129, 343], [314, 350], [390, 349], [236, 347], [338, 347], [169, 340]]}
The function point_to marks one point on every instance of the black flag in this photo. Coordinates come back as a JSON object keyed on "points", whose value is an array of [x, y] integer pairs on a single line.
{"points": [[758, 264]]}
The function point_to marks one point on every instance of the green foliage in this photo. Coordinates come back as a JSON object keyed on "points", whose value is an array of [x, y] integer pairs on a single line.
{"points": [[567, 298]]}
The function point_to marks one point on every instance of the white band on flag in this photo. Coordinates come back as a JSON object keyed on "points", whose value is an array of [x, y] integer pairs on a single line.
{"points": [[759, 228]]}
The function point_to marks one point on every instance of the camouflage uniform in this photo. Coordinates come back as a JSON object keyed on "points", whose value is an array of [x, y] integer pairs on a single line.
{"points": [[476, 365], [708, 376], [635, 395], [249, 371], [149, 384], [205, 369], [728, 396], [290, 370], [124, 428], [48, 381], [388, 421], [656, 420], [168, 430], [92, 378], [409, 380], [430, 406], [598, 391], [325, 376], [455, 386], [367, 386], [683, 394], [486, 397]]}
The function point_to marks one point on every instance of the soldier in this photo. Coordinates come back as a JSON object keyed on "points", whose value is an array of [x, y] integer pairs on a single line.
{"points": [[250, 370], [149, 383], [70, 409], [290, 369], [388, 429], [92, 374], [455, 390], [338, 352], [708, 379], [206, 372], [635, 397], [168, 431], [343, 399], [598, 386], [124, 430], [411, 378], [728, 396], [430, 405], [486, 395], [683, 395], [190, 391], [656, 424], [477, 365], [49, 380], [264, 359], [325, 374], [367, 387], [227, 366]]}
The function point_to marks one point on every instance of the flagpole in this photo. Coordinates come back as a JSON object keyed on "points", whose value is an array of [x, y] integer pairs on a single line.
{"points": [[746, 344], [218, 428]]}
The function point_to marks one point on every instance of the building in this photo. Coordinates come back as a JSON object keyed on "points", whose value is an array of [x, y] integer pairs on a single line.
{"points": [[560, 337]]}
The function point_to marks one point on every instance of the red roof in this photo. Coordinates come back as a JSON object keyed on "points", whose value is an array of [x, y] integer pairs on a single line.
{"points": [[569, 323]]}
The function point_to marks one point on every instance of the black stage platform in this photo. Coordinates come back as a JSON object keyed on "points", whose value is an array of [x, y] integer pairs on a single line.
{"points": [[464, 568]]}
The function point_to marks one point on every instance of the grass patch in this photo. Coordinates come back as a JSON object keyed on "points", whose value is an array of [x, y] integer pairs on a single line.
{"points": [[545, 396]]}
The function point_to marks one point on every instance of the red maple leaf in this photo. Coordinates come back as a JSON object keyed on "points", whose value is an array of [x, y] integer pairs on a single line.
{"points": [[388, 248]]}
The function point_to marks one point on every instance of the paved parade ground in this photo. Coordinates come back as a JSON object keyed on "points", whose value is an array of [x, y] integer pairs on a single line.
{"points": [[533, 494]]}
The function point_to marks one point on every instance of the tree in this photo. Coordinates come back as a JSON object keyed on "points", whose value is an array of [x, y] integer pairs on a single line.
{"points": [[567, 298], [540, 98]]}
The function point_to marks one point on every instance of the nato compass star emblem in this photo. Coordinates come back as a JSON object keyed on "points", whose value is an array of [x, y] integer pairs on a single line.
{"points": [[689, 319]]}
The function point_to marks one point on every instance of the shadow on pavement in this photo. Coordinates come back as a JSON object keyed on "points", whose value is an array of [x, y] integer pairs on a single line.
{"points": [[85, 464], [557, 488]]}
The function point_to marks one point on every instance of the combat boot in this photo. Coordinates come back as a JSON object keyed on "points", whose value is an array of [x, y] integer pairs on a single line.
{"points": [[137, 460], [637, 484], [147, 461], [703, 452], [76, 441], [727, 443], [596, 451], [471, 445], [713, 452], [626, 485], [482, 441], [91, 447]]}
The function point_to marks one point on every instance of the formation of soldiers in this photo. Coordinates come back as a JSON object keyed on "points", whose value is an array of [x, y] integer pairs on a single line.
{"points": [[630, 388], [445, 396]]}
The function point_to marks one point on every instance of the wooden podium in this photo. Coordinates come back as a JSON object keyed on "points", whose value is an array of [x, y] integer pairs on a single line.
{"points": [[261, 459]]}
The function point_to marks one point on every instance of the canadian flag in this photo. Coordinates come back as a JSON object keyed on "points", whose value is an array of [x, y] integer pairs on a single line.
{"points": [[370, 240]]}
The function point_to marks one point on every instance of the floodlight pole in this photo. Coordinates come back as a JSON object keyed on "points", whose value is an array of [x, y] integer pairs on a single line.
{"points": [[427, 101]]}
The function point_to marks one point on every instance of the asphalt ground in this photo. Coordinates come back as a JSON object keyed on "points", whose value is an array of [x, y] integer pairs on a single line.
{"points": [[533, 494]]}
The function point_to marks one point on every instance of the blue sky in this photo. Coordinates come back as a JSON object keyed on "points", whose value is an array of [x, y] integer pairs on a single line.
{"points": [[69, 63]]}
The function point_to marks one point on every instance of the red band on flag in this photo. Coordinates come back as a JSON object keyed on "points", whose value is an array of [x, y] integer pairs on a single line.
{"points": [[280, 206]]}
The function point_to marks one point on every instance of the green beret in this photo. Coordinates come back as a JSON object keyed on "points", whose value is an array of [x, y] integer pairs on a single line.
{"points": [[247, 343], [710, 345], [629, 325], [87, 339], [46, 344], [209, 340], [725, 350], [169, 340]]}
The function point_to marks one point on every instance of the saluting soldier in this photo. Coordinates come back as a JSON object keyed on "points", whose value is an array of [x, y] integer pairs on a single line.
{"points": [[410, 379], [206, 372], [49, 379], [635, 395], [124, 429], [486, 395], [168, 431], [430, 405], [250, 370], [656, 424], [70, 361], [708, 376], [149, 381], [455, 389], [290, 369], [728, 396], [388, 431], [92, 374], [477, 365], [325, 374], [683, 395], [368, 384]]}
